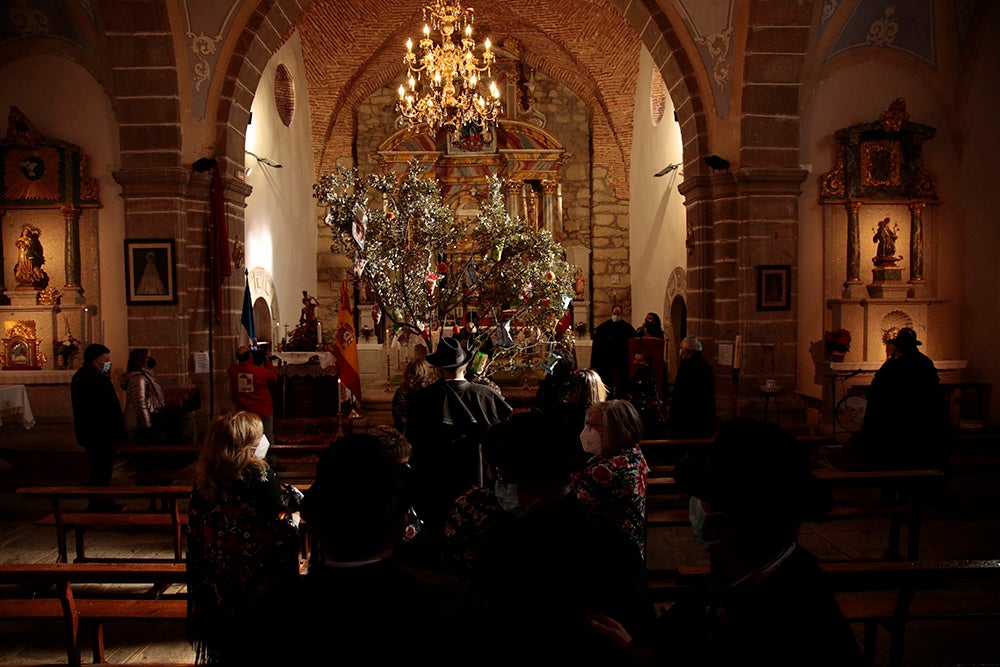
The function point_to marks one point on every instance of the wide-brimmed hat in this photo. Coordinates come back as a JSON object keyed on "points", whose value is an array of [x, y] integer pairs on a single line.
{"points": [[449, 354], [755, 468], [905, 338]]}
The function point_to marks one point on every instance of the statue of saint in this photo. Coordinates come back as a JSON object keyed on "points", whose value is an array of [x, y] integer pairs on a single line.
{"points": [[30, 258], [885, 239], [309, 304]]}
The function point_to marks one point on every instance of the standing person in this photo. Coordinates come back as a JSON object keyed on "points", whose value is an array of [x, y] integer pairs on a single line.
{"points": [[143, 398], [643, 392], [769, 602], [650, 327], [692, 400], [242, 544], [444, 424], [251, 388], [906, 423], [97, 419], [609, 354], [614, 479], [416, 375]]}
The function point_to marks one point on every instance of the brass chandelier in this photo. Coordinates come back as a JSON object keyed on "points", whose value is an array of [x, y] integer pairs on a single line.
{"points": [[452, 73]]}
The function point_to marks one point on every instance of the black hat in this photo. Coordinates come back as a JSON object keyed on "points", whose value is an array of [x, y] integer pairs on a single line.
{"points": [[93, 351], [449, 354], [905, 339], [755, 468]]}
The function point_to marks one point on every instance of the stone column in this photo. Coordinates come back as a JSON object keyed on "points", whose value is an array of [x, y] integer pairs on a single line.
{"points": [[853, 247], [549, 208], [917, 241], [4, 300], [72, 290]]}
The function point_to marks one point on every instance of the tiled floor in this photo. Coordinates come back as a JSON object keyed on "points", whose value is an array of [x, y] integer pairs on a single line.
{"points": [[963, 524]]}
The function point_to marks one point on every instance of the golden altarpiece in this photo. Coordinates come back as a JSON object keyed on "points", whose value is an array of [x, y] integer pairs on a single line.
{"points": [[880, 263], [46, 195]]}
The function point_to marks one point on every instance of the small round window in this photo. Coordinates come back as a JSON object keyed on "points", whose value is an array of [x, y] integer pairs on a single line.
{"points": [[657, 97], [284, 94]]}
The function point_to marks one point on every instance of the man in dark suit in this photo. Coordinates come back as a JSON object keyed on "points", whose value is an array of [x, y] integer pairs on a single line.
{"points": [[445, 421], [610, 355], [97, 419]]}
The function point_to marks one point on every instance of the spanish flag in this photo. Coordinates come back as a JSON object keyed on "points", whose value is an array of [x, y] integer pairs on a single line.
{"points": [[347, 345]]}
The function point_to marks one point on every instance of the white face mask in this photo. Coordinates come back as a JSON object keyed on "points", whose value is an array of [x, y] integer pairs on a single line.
{"points": [[696, 513], [615, 318], [507, 496], [262, 446], [591, 440]]}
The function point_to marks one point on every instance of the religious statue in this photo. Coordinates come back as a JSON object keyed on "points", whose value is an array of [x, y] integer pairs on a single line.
{"points": [[30, 258], [309, 304], [885, 238], [579, 284]]}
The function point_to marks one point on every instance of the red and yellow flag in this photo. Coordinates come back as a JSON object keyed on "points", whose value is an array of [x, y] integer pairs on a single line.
{"points": [[347, 345]]}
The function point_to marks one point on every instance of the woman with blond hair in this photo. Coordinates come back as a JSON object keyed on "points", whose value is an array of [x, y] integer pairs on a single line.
{"points": [[614, 480], [242, 542], [417, 374]]}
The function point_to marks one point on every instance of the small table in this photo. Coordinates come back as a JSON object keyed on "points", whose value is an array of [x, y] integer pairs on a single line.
{"points": [[14, 403]]}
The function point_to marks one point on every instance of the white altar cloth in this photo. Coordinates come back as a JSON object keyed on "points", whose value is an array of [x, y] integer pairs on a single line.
{"points": [[14, 404], [326, 359]]}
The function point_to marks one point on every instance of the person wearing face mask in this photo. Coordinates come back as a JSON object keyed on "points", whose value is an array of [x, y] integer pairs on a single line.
{"points": [[614, 480], [557, 560], [692, 401], [97, 419], [242, 542], [609, 354], [768, 602], [143, 398]]}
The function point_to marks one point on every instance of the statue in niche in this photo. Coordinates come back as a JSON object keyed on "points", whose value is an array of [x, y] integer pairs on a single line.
{"points": [[885, 239], [30, 257]]}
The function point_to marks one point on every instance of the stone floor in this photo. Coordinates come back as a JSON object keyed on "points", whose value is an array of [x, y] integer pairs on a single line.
{"points": [[963, 524]]}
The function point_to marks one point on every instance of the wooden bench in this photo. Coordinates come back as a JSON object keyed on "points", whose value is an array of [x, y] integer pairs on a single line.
{"points": [[671, 450], [28, 587], [173, 497], [911, 486], [80, 522], [169, 464], [886, 594]]}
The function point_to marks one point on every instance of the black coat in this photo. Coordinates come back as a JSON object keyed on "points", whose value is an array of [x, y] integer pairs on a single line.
{"points": [[609, 355], [692, 401], [97, 414]]}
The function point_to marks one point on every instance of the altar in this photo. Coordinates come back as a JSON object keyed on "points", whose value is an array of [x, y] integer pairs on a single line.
{"points": [[307, 385], [14, 405]]}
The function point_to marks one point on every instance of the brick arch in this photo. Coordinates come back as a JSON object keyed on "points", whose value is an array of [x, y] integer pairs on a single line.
{"points": [[139, 47], [659, 37]]}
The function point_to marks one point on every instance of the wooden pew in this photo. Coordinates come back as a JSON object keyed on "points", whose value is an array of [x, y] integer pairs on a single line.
{"points": [[880, 594], [174, 497], [28, 597], [169, 464], [911, 486]]}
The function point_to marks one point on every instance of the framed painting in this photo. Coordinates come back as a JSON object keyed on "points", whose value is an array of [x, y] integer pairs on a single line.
{"points": [[150, 272], [774, 287]]}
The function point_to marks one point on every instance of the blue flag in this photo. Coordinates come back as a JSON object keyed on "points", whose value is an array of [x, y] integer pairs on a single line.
{"points": [[248, 333]]}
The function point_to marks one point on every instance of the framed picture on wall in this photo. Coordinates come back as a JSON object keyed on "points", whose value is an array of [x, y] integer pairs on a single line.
{"points": [[774, 287], [150, 272]]}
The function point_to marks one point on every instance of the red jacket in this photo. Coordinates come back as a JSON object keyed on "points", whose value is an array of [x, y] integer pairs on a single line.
{"points": [[249, 384]]}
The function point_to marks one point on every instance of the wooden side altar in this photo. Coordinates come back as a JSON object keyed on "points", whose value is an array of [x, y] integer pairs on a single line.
{"points": [[307, 385]]}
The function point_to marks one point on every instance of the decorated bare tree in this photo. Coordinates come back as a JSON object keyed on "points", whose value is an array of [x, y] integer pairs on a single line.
{"points": [[495, 278]]}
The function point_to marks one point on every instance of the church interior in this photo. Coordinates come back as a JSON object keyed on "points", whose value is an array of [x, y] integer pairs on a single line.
{"points": [[791, 181]]}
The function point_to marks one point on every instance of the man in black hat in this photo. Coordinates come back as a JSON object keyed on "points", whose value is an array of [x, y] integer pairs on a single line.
{"points": [[97, 418], [444, 423], [906, 424], [768, 603]]}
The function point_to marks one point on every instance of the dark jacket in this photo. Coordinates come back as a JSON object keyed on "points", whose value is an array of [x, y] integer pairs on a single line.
{"points": [[609, 355], [444, 423], [97, 414], [692, 400]]}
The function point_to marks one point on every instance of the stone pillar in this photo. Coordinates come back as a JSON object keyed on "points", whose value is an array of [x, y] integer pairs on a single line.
{"points": [[550, 190], [917, 241], [72, 290], [853, 248], [4, 300]]}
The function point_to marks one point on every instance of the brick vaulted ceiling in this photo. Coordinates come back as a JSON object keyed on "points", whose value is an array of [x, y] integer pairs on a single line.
{"points": [[354, 47]]}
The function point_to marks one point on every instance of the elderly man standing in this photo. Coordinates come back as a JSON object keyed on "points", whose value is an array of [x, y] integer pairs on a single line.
{"points": [[692, 401], [444, 423], [97, 419]]}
